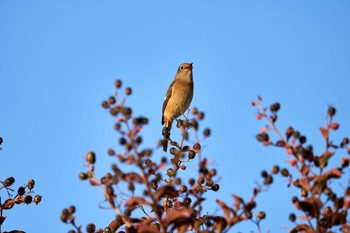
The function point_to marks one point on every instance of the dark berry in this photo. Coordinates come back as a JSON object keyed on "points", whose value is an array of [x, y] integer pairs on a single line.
{"points": [[343, 143], [30, 184], [90, 228], [262, 137], [90, 157], [289, 132], [28, 199], [105, 104], [268, 180], [9, 181], [83, 176], [275, 107], [154, 184], [264, 174], [128, 91], [187, 201], [207, 132], [71, 209], [183, 188], [117, 126], [292, 217], [191, 154], [296, 134], [295, 199], [215, 188], [200, 116], [118, 83], [111, 152], [122, 141], [194, 111], [261, 215], [331, 111], [171, 172], [21, 191], [284, 172], [302, 139], [37, 199], [275, 169], [111, 100], [197, 147]]}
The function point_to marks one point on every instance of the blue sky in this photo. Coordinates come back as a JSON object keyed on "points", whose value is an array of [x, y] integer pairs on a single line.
{"points": [[59, 60]]}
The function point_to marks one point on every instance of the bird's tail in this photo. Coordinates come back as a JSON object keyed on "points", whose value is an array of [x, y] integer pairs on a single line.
{"points": [[165, 144], [166, 134]]}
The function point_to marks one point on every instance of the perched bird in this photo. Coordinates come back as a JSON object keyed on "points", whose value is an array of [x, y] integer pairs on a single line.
{"points": [[178, 97]]}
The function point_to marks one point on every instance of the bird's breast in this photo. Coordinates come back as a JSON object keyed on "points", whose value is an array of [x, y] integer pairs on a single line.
{"points": [[180, 99]]}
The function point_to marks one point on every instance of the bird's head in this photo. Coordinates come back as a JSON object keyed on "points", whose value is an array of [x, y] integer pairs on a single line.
{"points": [[185, 67]]}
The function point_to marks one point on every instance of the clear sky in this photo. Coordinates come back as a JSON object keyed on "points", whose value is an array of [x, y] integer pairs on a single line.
{"points": [[59, 60]]}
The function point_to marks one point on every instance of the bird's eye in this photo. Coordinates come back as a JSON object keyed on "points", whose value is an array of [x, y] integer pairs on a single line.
{"points": [[181, 67]]}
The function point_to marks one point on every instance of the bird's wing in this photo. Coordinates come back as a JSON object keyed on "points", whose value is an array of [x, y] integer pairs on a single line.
{"points": [[166, 99]]}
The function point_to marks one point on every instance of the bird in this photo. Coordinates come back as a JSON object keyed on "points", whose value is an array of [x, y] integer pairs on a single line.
{"points": [[178, 98]]}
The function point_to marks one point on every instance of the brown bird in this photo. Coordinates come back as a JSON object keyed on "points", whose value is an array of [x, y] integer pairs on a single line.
{"points": [[178, 97]]}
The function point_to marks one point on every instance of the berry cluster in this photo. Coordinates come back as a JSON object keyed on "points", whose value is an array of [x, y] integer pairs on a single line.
{"points": [[323, 209], [23, 196], [163, 190]]}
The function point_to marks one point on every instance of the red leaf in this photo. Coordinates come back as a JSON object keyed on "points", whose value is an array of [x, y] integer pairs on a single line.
{"points": [[301, 228], [162, 166], [345, 162], [333, 173], [236, 219], [115, 224], [174, 143], [311, 206], [2, 219], [219, 224], [133, 177], [289, 151], [93, 182], [225, 209], [259, 116], [280, 143], [198, 202], [166, 191], [268, 143], [302, 183], [305, 170], [177, 217], [8, 204], [134, 202], [293, 163], [146, 228], [338, 219], [263, 130], [303, 217], [324, 132], [345, 228], [238, 201], [334, 126], [324, 158], [320, 183]]}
